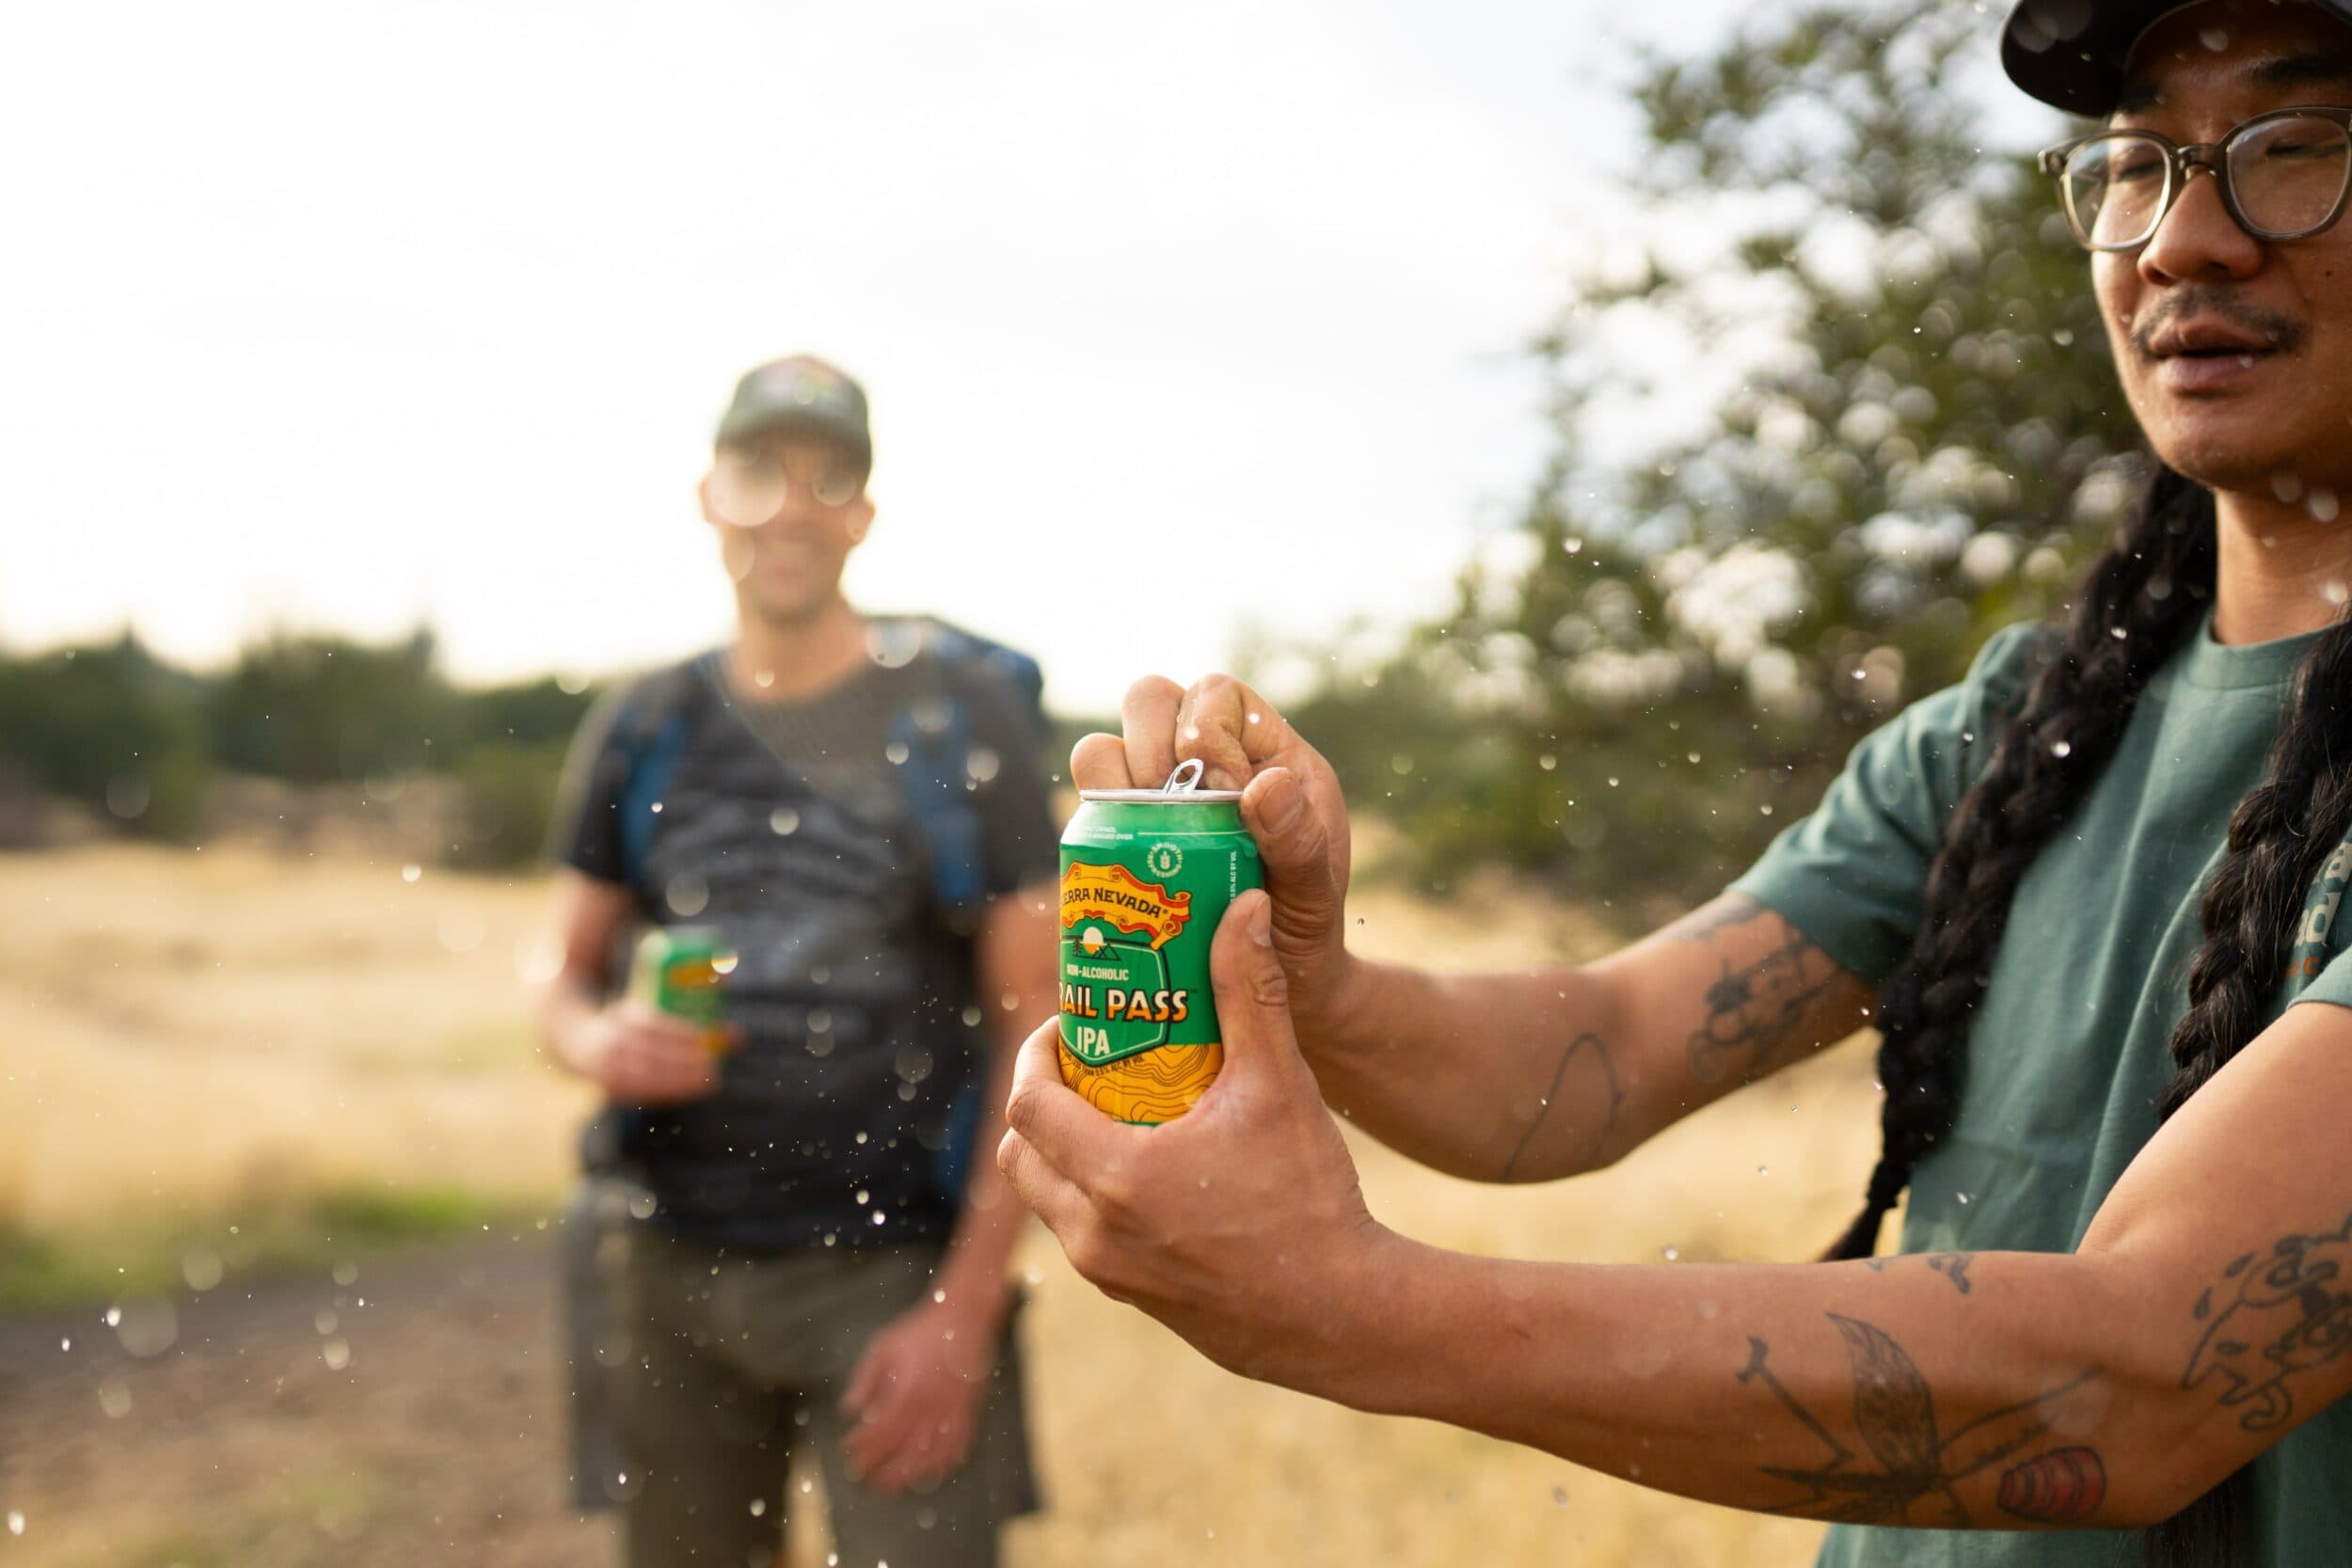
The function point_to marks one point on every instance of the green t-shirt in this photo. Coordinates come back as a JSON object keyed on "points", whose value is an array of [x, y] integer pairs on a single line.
{"points": [[2068, 1051]]}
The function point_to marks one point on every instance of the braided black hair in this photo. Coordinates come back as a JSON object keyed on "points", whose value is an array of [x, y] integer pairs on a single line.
{"points": [[2141, 602]]}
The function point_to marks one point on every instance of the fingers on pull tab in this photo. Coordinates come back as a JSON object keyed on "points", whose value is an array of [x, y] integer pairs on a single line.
{"points": [[1185, 779]]}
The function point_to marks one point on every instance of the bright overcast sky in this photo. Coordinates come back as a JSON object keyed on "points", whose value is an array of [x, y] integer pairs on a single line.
{"points": [[1175, 318]]}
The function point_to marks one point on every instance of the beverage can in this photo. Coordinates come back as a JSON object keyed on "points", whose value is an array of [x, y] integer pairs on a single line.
{"points": [[1146, 875], [678, 971]]}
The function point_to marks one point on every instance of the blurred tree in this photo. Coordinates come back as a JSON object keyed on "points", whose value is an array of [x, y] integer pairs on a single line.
{"points": [[314, 708], [1916, 433], [108, 726]]}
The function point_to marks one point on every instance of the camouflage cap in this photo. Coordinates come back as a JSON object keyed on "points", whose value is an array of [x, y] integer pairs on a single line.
{"points": [[802, 392], [2073, 54]]}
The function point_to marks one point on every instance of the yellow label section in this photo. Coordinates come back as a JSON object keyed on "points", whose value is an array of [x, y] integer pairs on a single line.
{"points": [[1154, 1086], [1112, 895]]}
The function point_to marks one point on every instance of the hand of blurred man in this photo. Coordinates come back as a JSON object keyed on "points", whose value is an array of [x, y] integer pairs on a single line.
{"points": [[641, 1057], [916, 1395]]}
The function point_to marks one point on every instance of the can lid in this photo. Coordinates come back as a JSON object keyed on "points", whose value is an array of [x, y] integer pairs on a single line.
{"points": [[1181, 789]]}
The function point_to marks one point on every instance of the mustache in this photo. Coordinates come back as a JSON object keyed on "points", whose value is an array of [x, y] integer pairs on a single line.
{"points": [[2195, 299]]}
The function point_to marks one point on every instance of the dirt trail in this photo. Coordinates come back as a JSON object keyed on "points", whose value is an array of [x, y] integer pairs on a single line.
{"points": [[411, 1415]]}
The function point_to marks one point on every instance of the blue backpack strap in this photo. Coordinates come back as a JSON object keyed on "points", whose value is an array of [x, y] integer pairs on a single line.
{"points": [[652, 733], [936, 731]]}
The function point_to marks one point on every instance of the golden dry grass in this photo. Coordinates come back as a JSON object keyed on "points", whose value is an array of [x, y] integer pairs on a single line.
{"points": [[192, 1028]]}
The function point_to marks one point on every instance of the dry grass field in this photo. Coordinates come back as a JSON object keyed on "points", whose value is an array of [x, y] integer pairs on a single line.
{"points": [[186, 1039]]}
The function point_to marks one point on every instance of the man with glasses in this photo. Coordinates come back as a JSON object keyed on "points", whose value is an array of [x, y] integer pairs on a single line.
{"points": [[2090, 897], [854, 807]]}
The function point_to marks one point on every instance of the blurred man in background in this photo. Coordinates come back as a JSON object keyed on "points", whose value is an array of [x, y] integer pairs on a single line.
{"points": [[854, 808]]}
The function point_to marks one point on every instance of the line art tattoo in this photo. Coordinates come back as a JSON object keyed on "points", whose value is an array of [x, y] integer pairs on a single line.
{"points": [[1911, 1458], [1753, 1013], [1952, 1265], [1588, 1050], [2271, 1315]]}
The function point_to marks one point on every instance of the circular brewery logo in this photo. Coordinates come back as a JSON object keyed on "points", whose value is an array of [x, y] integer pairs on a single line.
{"points": [[1164, 859]]}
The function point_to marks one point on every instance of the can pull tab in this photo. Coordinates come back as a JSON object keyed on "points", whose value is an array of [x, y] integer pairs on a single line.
{"points": [[1185, 779]]}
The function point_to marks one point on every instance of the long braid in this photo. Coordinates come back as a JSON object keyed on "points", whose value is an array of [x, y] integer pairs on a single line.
{"points": [[2279, 836], [2141, 602]]}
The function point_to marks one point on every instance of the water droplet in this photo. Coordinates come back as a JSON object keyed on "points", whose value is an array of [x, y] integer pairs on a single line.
{"points": [[336, 1353], [1670, 1253], [2214, 39], [323, 1321], [16, 1523], [764, 679], [1763, 1170], [1546, 762], [202, 1268], [2062, 748], [655, 808], [880, 1217], [783, 820], [1560, 1495], [896, 753], [938, 1298], [66, 1344], [114, 1398], [2120, 633], [1963, 1196], [972, 1017], [981, 764], [410, 872], [2322, 505], [114, 1317], [1573, 546], [759, 1507], [346, 1273], [641, 1206], [863, 1197], [688, 895]]}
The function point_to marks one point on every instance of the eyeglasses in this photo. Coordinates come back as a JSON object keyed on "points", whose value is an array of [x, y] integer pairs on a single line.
{"points": [[749, 487], [2282, 176]]}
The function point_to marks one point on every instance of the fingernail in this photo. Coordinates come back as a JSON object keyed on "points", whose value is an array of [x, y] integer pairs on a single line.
{"points": [[1261, 922], [1283, 802]]}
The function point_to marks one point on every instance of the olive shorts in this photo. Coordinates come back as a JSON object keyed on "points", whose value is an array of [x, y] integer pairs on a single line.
{"points": [[735, 1363]]}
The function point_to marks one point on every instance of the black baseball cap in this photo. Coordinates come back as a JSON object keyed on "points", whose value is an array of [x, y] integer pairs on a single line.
{"points": [[800, 392], [2072, 53]]}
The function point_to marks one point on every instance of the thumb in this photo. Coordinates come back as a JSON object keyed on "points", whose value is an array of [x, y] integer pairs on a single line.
{"points": [[1296, 849], [1253, 1013]]}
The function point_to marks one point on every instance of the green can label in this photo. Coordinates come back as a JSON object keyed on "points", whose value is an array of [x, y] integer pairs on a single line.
{"points": [[1144, 882], [679, 970]]}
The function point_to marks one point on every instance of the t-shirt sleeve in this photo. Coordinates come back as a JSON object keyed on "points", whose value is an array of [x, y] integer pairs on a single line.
{"points": [[1852, 876], [1020, 842], [585, 834]]}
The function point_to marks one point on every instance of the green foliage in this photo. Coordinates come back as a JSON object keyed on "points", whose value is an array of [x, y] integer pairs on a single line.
{"points": [[128, 737], [1669, 654], [107, 726]]}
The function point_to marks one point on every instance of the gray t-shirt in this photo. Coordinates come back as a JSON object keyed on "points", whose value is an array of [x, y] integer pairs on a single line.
{"points": [[2069, 1049]]}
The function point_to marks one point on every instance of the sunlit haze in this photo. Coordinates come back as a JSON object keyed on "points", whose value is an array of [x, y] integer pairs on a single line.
{"points": [[353, 317]]}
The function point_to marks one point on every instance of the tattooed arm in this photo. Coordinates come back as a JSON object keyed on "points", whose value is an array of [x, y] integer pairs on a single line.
{"points": [[1536, 1074], [2206, 1313]]}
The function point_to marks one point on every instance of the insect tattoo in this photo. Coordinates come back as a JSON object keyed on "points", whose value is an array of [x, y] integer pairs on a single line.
{"points": [[1912, 1460]]}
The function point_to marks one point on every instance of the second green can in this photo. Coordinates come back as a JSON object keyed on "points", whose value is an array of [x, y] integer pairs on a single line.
{"points": [[1146, 875]]}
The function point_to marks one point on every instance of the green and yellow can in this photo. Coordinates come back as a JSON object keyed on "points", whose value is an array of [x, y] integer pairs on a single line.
{"points": [[1146, 875], [679, 971]]}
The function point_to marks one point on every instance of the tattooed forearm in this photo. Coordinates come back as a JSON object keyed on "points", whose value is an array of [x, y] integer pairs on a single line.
{"points": [[2270, 1316], [1952, 1265], [1586, 1059], [1912, 1460], [1754, 1013]]}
